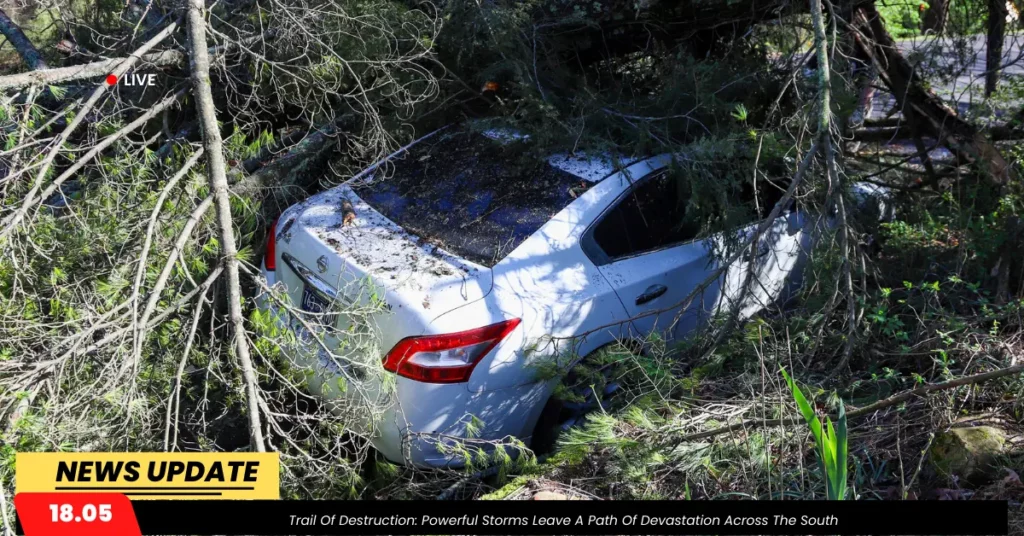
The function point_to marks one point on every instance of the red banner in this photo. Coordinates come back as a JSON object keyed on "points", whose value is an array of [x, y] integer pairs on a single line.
{"points": [[76, 514]]}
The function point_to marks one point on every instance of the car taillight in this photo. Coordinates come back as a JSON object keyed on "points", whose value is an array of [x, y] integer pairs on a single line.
{"points": [[447, 358], [270, 258]]}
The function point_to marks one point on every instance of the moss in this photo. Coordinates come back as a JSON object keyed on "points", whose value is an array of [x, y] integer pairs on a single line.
{"points": [[515, 485], [968, 453]]}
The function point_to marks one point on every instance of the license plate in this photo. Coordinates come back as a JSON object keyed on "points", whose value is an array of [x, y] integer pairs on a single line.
{"points": [[313, 302]]}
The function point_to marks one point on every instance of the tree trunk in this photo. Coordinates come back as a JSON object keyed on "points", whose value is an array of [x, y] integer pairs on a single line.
{"points": [[95, 69], [28, 52], [937, 119], [935, 18], [216, 172], [994, 44]]}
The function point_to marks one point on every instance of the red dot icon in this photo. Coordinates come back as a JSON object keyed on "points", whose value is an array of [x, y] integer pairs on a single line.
{"points": [[111, 79]]}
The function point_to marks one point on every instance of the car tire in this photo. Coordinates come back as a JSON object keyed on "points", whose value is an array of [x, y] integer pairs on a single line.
{"points": [[547, 430], [559, 415]]}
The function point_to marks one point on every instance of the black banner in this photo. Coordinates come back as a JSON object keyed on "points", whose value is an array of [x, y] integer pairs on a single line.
{"points": [[258, 517]]}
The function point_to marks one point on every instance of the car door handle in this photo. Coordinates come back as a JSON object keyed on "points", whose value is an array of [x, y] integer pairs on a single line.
{"points": [[652, 292]]}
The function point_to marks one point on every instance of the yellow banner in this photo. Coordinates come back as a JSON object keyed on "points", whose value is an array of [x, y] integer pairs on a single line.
{"points": [[152, 475]]}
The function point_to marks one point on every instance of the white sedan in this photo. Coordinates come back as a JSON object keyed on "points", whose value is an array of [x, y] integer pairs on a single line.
{"points": [[487, 260]]}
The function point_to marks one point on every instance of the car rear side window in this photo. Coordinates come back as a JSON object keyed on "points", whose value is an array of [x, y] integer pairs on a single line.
{"points": [[650, 216], [653, 214], [471, 195]]}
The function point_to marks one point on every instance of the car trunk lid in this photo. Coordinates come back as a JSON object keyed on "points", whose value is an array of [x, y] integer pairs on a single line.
{"points": [[345, 243]]}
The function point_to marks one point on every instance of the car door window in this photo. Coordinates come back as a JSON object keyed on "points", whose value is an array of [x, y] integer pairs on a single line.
{"points": [[651, 216]]}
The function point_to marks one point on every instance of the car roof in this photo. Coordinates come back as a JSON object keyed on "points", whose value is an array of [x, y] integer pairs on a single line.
{"points": [[589, 166]]}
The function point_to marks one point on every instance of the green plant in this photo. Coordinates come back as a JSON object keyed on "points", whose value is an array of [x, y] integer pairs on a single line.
{"points": [[740, 113], [902, 17], [830, 443]]}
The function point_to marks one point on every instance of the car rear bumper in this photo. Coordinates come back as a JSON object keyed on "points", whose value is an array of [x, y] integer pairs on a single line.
{"points": [[444, 425], [416, 423]]}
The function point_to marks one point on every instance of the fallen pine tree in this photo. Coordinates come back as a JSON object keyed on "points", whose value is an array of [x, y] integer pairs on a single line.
{"points": [[126, 309]]}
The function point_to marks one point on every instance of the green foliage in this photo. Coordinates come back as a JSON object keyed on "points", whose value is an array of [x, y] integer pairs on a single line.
{"points": [[830, 443], [715, 103], [902, 17], [968, 17], [239, 146], [740, 113], [559, 86], [938, 230]]}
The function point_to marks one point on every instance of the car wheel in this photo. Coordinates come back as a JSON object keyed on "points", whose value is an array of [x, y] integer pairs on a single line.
{"points": [[592, 384]]}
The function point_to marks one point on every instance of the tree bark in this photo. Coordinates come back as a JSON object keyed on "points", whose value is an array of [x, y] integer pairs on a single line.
{"points": [[218, 179], [935, 18], [117, 66], [994, 44], [832, 170], [902, 130], [28, 52], [166, 58]]}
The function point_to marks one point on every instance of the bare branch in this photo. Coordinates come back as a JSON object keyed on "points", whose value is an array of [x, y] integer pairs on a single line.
{"points": [[864, 411], [215, 168], [115, 66], [11, 222]]}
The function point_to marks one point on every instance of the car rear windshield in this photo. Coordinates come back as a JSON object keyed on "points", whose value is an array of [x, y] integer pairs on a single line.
{"points": [[472, 195]]}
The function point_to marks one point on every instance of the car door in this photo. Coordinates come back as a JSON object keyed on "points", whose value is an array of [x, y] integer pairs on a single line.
{"points": [[772, 267], [757, 279], [643, 245], [647, 250]]}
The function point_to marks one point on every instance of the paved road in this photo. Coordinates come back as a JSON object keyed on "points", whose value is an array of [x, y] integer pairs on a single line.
{"points": [[956, 70]]}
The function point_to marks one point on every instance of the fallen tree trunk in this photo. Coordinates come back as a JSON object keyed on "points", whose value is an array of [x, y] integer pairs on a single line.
{"points": [[166, 58], [28, 52], [936, 118], [291, 173], [159, 60], [904, 132]]}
